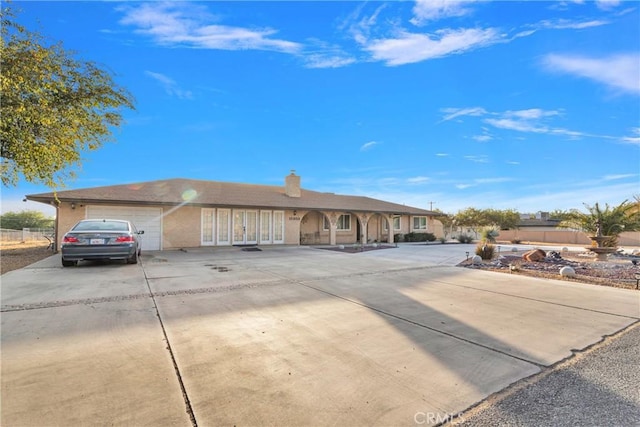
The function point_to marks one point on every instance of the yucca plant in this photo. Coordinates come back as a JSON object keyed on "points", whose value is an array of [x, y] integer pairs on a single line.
{"points": [[489, 234], [485, 250]]}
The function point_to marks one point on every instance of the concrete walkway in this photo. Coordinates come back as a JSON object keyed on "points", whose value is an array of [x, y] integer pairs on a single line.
{"points": [[284, 336]]}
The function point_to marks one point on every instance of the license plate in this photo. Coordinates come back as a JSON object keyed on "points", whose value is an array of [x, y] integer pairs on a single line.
{"points": [[96, 242]]}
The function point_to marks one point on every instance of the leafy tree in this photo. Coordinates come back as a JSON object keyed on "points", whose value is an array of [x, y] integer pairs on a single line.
{"points": [[446, 220], [54, 106], [25, 219], [612, 220], [472, 218]]}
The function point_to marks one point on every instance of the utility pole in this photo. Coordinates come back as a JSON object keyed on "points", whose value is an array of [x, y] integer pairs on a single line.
{"points": [[431, 205]]}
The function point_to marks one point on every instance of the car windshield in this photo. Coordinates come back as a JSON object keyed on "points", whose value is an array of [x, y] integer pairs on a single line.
{"points": [[101, 225]]}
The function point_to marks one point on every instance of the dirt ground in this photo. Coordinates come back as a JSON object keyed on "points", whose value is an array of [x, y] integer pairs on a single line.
{"points": [[15, 255]]}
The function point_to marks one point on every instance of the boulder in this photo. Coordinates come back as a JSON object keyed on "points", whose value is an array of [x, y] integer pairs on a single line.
{"points": [[534, 255], [567, 271], [476, 260]]}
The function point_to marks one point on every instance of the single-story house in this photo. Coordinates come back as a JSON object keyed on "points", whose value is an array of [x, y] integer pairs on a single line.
{"points": [[186, 213]]}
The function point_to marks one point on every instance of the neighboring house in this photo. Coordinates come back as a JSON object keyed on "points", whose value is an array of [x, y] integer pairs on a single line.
{"points": [[184, 213], [541, 221]]}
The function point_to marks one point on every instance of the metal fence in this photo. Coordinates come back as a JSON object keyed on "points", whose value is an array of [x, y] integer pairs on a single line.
{"points": [[26, 234]]}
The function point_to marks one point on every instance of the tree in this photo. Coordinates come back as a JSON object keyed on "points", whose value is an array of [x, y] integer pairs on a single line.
{"points": [[25, 219], [54, 106], [611, 220]]}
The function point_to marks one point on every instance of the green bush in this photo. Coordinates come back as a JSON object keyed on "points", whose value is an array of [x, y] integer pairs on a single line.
{"points": [[464, 238], [398, 237], [485, 250], [419, 237]]}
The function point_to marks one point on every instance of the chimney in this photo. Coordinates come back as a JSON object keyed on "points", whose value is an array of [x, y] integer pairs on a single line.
{"points": [[292, 185]]}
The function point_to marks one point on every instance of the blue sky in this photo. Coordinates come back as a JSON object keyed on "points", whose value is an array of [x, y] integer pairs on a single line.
{"points": [[445, 104]]}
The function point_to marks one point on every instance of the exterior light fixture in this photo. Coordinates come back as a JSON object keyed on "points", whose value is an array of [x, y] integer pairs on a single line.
{"points": [[73, 205]]}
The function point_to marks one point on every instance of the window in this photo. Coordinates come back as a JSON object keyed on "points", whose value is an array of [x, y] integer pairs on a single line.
{"points": [[265, 227], [278, 227], [419, 222], [208, 220], [396, 224], [344, 223], [224, 222]]}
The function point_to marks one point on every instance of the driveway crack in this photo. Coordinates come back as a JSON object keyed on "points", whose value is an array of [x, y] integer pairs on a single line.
{"points": [[185, 395]]}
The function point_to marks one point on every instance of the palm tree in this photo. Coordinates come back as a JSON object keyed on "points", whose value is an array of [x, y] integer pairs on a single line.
{"points": [[611, 220]]}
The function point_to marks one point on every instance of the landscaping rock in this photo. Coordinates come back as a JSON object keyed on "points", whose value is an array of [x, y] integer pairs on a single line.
{"points": [[534, 255], [567, 271]]}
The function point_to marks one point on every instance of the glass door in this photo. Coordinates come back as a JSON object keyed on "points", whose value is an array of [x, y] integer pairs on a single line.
{"points": [[245, 227]]}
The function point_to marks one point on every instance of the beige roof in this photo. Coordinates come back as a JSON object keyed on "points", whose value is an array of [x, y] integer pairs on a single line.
{"points": [[222, 194]]}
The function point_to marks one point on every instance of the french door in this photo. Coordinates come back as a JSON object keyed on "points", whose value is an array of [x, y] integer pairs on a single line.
{"points": [[245, 227]]}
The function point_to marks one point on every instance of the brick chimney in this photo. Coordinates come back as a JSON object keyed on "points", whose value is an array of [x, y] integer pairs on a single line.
{"points": [[292, 184]]}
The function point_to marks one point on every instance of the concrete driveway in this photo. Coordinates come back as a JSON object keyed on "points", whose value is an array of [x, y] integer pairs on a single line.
{"points": [[284, 336]]}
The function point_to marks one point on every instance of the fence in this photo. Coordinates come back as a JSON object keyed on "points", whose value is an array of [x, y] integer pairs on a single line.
{"points": [[26, 234], [564, 236]]}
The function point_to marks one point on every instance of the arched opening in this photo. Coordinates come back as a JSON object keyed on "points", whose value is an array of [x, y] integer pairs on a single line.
{"points": [[312, 229]]}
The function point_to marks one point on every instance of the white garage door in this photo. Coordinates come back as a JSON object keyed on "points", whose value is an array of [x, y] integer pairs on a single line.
{"points": [[147, 219]]}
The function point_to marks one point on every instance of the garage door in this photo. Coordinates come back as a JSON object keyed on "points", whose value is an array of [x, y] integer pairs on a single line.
{"points": [[147, 219]]}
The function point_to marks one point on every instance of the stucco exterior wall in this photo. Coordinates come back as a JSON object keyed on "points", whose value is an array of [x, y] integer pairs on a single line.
{"points": [[67, 218], [181, 228], [292, 225]]}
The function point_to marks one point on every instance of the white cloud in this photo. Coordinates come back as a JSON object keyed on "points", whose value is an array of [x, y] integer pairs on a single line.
{"points": [[327, 61], [518, 125], [442, 155], [532, 113], [619, 176], [635, 139], [482, 138], [607, 4], [407, 48], [418, 180], [169, 85], [452, 113], [369, 145], [619, 71], [566, 24], [431, 10], [478, 159], [187, 24]]}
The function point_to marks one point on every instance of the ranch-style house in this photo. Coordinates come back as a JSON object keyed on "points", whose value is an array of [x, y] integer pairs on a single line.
{"points": [[187, 213]]}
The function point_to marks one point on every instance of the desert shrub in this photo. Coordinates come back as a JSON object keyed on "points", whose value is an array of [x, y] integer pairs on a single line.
{"points": [[516, 241], [489, 235], [443, 240], [465, 238], [486, 250]]}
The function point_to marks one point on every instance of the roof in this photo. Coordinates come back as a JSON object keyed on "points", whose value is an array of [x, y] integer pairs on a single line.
{"points": [[180, 191]]}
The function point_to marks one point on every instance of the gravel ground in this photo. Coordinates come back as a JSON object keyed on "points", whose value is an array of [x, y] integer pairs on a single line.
{"points": [[597, 387], [617, 271], [15, 255]]}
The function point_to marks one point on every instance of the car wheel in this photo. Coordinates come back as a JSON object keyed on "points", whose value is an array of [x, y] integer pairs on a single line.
{"points": [[69, 263], [133, 259]]}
